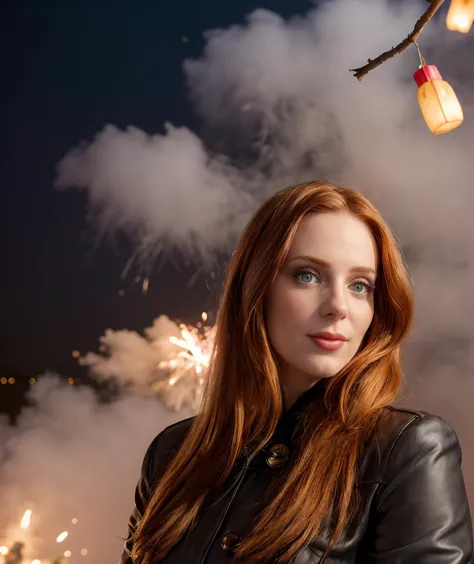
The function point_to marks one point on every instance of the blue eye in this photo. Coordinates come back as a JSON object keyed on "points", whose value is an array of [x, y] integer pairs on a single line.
{"points": [[362, 287], [308, 274]]}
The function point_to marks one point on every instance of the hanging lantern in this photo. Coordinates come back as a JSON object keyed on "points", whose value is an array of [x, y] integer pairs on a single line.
{"points": [[460, 15], [438, 101]]}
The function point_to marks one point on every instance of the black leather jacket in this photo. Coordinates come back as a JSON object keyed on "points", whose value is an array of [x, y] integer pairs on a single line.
{"points": [[415, 506]]}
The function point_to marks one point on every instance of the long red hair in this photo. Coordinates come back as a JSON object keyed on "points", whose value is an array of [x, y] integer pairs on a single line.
{"points": [[243, 398]]}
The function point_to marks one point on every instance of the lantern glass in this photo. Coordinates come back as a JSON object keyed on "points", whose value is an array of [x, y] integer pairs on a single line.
{"points": [[460, 15], [440, 106]]}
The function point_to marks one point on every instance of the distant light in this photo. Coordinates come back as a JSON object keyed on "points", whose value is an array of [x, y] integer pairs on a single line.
{"points": [[3, 380], [121, 293], [74, 520], [3, 550], [76, 354], [11, 380], [70, 380], [32, 380], [460, 16], [84, 552], [62, 536], [36, 561], [67, 553]]}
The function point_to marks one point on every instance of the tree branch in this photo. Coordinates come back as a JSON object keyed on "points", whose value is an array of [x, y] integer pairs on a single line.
{"points": [[410, 39]]}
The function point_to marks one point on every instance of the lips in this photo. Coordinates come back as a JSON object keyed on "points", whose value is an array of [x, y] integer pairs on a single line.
{"points": [[327, 336], [328, 344], [328, 341]]}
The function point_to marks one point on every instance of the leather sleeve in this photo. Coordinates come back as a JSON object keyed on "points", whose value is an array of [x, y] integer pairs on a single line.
{"points": [[422, 514], [142, 495]]}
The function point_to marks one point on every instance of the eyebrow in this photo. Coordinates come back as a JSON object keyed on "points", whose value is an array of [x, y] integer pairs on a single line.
{"points": [[325, 264]]}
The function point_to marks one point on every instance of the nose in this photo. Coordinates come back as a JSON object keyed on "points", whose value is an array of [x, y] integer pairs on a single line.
{"points": [[334, 306]]}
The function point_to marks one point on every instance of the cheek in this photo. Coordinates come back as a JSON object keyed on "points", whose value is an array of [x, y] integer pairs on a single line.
{"points": [[288, 307], [362, 318]]}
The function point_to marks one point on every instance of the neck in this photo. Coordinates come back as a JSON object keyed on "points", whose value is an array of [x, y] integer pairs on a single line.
{"points": [[295, 385]]}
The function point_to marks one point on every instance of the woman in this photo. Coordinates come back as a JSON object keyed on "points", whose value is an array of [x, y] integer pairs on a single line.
{"points": [[296, 455]]}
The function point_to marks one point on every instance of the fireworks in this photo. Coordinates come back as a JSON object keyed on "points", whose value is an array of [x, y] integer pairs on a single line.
{"points": [[174, 360], [14, 554], [181, 379], [170, 360]]}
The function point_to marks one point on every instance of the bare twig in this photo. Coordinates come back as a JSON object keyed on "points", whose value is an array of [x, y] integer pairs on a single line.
{"points": [[410, 39]]}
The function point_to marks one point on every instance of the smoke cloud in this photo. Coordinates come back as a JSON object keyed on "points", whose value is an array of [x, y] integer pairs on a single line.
{"points": [[277, 106], [73, 457]]}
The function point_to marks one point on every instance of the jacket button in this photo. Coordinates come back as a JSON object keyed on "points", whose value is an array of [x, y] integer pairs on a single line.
{"points": [[279, 455], [229, 541]]}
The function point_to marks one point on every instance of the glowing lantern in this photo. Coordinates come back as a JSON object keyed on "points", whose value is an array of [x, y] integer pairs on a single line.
{"points": [[460, 15], [438, 101]]}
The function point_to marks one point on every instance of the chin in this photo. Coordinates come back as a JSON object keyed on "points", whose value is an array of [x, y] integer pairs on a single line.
{"points": [[325, 368]]}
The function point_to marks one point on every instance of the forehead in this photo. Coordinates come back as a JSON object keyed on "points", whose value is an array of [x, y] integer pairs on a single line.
{"points": [[336, 237]]}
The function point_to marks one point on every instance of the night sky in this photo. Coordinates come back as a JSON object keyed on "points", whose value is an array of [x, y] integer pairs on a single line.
{"points": [[70, 68]]}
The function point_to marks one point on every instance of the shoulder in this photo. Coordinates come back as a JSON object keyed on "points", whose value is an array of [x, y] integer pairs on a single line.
{"points": [[421, 427], [163, 446], [419, 509], [406, 434], [172, 436]]}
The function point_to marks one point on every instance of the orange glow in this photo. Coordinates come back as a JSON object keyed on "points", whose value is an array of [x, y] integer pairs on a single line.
{"points": [[460, 15]]}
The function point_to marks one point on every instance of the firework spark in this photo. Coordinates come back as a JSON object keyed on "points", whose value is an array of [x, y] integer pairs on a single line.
{"points": [[62, 536], [26, 519], [181, 379]]}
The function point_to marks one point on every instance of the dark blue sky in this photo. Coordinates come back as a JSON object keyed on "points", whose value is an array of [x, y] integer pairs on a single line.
{"points": [[69, 68]]}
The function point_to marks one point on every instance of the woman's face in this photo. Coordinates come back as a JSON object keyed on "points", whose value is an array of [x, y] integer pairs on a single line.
{"points": [[326, 285]]}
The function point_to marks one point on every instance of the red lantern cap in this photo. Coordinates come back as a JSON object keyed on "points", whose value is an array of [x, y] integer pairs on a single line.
{"points": [[427, 73]]}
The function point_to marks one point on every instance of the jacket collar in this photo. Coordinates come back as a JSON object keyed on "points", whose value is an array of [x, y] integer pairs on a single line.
{"points": [[289, 418]]}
